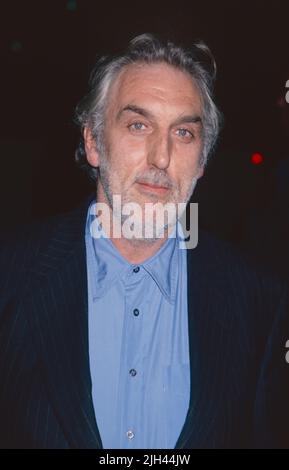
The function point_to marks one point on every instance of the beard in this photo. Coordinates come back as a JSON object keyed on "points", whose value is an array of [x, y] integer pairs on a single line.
{"points": [[157, 227]]}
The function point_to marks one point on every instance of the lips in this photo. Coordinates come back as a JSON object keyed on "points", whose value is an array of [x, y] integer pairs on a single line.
{"points": [[153, 187]]}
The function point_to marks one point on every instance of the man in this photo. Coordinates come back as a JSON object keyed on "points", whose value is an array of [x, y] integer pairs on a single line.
{"points": [[110, 340]]}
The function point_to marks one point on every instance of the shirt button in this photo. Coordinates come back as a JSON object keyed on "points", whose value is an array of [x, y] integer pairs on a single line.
{"points": [[132, 372], [130, 434], [136, 270], [136, 312]]}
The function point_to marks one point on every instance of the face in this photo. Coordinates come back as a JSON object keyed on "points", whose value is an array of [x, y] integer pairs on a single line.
{"points": [[152, 137]]}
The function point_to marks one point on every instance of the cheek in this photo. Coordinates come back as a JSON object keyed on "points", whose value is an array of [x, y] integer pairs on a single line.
{"points": [[187, 164], [128, 153]]}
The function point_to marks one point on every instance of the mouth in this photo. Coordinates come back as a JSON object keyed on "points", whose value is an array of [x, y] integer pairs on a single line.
{"points": [[152, 188]]}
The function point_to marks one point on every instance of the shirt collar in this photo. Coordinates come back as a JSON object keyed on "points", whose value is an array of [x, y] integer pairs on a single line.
{"points": [[107, 265]]}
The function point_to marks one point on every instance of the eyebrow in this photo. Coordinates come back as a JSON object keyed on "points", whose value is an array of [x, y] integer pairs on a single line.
{"points": [[134, 109], [194, 119]]}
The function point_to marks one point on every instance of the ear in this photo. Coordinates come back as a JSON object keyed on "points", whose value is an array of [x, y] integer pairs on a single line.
{"points": [[92, 154]]}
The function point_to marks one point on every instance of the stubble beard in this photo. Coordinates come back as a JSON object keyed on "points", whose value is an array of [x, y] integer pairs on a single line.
{"points": [[107, 175]]}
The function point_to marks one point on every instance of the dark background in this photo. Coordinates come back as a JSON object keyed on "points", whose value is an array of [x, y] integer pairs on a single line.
{"points": [[47, 50]]}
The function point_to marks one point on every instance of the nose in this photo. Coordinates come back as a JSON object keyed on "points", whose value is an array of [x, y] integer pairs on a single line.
{"points": [[159, 154]]}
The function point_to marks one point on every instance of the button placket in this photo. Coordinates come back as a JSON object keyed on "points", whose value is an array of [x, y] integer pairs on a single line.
{"points": [[131, 366]]}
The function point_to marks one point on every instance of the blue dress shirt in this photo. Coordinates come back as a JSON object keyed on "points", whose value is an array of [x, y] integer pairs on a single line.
{"points": [[138, 344]]}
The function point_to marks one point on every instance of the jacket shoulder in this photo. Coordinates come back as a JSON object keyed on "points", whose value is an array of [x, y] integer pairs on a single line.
{"points": [[24, 249], [256, 293]]}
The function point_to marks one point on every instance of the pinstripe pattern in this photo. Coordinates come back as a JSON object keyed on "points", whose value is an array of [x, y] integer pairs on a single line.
{"points": [[45, 385]]}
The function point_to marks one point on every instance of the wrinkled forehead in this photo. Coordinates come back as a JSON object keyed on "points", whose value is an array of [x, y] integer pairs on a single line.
{"points": [[157, 84]]}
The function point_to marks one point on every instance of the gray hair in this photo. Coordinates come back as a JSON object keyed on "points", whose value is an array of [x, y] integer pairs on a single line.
{"points": [[198, 61]]}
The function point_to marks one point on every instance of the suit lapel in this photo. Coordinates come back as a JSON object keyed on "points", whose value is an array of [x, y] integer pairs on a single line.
{"points": [[209, 344], [58, 313]]}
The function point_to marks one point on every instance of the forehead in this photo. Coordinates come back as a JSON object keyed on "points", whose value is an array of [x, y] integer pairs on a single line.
{"points": [[159, 85]]}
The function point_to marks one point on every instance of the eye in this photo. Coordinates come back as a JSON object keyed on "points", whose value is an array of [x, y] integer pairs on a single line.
{"points": [[137, 126], [185, 134]]}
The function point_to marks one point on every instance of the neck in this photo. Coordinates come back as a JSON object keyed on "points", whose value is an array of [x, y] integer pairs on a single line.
{"points": [[137, 251]]}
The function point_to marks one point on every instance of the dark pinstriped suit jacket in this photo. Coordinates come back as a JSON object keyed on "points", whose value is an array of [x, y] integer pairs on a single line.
{"points": [[238, 326]]}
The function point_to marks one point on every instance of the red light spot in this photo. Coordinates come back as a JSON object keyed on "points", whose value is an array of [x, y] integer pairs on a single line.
{"points": [[257, 158]]}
